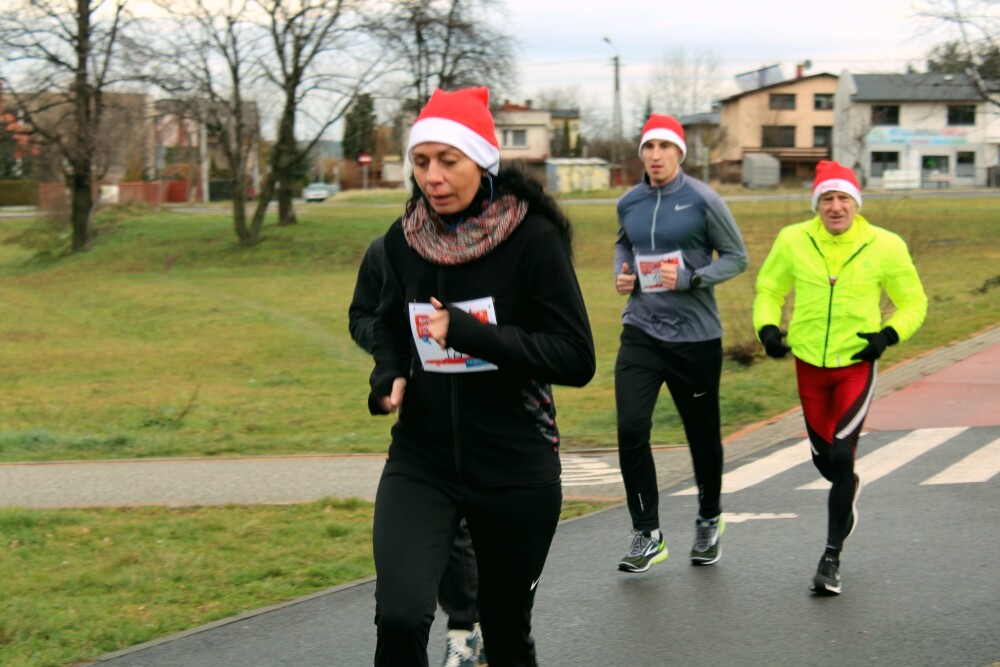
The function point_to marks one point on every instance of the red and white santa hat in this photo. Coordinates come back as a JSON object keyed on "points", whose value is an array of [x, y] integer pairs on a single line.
{"points": [[662, 126], [835, 176], [462, 119]]}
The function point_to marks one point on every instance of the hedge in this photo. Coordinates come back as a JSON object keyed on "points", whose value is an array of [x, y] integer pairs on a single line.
{"points": [[20, 192]]}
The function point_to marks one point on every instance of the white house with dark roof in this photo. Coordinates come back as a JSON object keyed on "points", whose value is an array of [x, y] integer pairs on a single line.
{"points": [[917, 130]]}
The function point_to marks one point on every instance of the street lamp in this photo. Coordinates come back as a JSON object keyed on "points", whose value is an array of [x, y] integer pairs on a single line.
{"points": [[616, 117]]}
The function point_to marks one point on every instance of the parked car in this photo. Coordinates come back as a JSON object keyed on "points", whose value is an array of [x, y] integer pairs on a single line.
{"points": [[319, 191]]}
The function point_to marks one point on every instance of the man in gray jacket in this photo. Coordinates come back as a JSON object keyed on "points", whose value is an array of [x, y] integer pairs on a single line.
{"points": [[676, 241]]}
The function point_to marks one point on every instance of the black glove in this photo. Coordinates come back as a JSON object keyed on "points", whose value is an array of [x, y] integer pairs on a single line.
{"points": [[770, 336], [877, 342]]}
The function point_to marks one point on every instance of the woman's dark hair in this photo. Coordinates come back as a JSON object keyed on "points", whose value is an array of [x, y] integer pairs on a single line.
{"points": [[512, 179]]}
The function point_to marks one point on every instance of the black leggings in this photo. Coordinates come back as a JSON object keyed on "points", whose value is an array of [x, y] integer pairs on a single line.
{"points": [[416, 516], [691, 372], [459, 588]]}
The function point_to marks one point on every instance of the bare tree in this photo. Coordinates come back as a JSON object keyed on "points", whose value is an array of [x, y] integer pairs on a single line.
{"points": [[218, 55], [446, 44], [951, 57], [977, 24], [567, 97], [208, 57], [310, 59], [683, 83], [60, 58]]}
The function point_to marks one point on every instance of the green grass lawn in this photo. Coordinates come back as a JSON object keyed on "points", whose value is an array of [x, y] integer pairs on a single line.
{"points": [[167, 339], [79, 583]]}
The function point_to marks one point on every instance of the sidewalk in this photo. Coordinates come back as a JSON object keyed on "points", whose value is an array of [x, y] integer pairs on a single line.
{"points": [[958, 385]]}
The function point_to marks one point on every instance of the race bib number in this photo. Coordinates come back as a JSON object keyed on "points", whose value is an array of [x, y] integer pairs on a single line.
{"points": [[647, 267], [435, 360]]}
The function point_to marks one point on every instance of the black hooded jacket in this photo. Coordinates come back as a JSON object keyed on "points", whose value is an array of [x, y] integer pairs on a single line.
{"points": [[490, 428]]}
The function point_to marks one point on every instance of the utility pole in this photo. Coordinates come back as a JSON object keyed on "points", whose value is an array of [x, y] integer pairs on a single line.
{"points": [[616, 115]]}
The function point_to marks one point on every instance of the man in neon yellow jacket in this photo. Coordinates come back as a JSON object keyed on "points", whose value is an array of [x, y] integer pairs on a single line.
{"points": [[838, 264]]}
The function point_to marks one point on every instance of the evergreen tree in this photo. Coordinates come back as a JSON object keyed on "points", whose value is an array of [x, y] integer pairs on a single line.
{"points": [[359, 127]]}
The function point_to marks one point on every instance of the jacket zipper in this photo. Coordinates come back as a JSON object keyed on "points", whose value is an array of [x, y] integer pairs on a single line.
{"points": [[452, 391], [652, 229], [833, 282]]}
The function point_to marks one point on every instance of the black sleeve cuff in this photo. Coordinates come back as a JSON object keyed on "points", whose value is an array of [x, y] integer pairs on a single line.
{"points": [[373, 406]]}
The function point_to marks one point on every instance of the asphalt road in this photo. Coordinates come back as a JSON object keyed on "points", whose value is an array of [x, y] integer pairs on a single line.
{"points": [[920, 577]]}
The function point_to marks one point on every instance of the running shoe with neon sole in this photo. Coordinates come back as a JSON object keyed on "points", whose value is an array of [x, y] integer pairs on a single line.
{"points": [[707, 549], [644, 553], [827, 579]]}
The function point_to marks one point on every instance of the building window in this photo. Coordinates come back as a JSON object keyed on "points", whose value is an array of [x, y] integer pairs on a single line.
{"points": [[823, 101], [882, 160], [778, 136], [965, 164], [514, 138], [961, 114], [822, 136], [782, 101], [885, 114]]}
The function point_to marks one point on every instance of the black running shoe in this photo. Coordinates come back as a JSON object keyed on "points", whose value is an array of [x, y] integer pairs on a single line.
{"points": [[827, 579]]}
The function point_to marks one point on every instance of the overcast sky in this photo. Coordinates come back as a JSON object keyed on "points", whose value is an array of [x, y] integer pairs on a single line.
{"points": [[561, 43]]}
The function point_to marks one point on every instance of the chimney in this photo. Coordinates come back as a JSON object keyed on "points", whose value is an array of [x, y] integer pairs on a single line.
{"points": [[799, 69]]}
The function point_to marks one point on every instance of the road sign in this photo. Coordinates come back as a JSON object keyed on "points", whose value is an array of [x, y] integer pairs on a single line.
{"points": [[364, 158]]}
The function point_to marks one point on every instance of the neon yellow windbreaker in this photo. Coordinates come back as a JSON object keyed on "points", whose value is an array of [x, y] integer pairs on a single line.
{"points": [[838, 290]]}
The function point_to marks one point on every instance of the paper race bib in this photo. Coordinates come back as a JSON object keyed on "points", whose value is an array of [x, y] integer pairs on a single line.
{"points": [[647, 267], [435, 360]]}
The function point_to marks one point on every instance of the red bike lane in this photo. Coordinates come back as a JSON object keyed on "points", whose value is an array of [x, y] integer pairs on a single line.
{"points": [[964, 393]]}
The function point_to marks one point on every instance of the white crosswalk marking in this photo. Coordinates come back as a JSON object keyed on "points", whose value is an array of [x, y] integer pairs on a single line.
{"points": [[747, 475], [741, 518], [586, 471], [895, 455], [979, 466]]}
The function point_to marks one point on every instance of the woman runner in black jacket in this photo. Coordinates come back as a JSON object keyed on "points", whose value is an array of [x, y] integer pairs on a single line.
{"points": [[480, 314]]}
